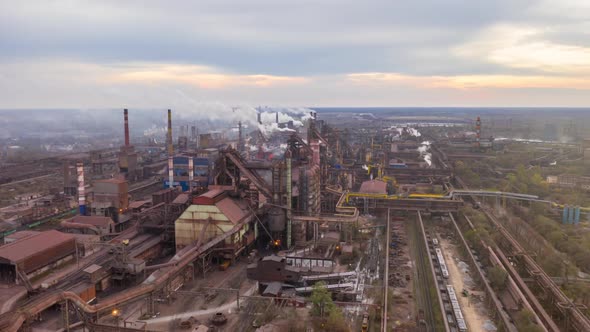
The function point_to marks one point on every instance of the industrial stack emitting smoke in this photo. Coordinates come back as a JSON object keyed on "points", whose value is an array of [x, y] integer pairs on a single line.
{"points": [[81, 190], [241, 143], [170, 152]]}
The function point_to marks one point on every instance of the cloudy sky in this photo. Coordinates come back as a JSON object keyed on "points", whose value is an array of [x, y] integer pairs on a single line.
{"points": [[95, 54]]}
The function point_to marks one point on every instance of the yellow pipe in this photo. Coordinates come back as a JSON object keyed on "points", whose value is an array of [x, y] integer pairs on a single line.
{"points": [[561, 206], [392, 197]]}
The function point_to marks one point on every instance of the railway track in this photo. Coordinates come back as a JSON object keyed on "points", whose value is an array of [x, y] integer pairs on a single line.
{"points": [[426, 317], [386, 275], [13, 320], [505, 319], [564, 305], [568, 311], [68, 282]]}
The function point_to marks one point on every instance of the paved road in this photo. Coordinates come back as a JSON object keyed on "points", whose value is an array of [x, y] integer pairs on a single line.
{"points": [[198, 313]]}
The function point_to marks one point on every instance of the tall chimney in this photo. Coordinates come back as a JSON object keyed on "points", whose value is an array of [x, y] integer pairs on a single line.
{"points": [[191, 174], [259, 117], [170, 152], [81, 190], [169, 138], [170, 171], [277, 117], [240, 138], [288, 160], [125, 115]]}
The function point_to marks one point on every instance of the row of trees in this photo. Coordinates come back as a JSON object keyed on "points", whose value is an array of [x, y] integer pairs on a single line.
{"points": [[571, 242], [328, 317]]}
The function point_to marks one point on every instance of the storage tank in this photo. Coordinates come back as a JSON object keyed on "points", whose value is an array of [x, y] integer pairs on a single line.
{"points": [[276, 220]]}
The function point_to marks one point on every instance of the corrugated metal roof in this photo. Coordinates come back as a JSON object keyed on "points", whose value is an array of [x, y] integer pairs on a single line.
{"points": [[210, 197], [212, 193], [138, 204], [202, 212], [93, 220], [92, 268], [22, 249], [20, 235], [233, 209], [273, 258], [227, 209], [274, 289], [180, 199], [374, 187]]}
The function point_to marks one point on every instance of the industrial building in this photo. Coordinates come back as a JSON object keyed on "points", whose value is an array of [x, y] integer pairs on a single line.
{"points": [[110, 198], [18, 236], [212, 214], [273, 268], [33, 255], [183, 166], [569, 181], [374, 187], [97, 225]]}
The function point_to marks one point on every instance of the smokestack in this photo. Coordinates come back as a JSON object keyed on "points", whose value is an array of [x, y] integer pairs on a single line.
{"points": [[170, 142], [259, 117], [170, 171], [277, 117], [288, 158], [240, 138], [125, 115], [81, 191], [170, 152], [191, 174]]}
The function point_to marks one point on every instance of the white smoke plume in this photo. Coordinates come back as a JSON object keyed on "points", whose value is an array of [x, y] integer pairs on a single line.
{"points": [[218, 116], [424, 149]]}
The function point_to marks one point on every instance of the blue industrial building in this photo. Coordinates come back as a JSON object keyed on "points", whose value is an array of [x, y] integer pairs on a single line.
{"points": [[201, 171]]}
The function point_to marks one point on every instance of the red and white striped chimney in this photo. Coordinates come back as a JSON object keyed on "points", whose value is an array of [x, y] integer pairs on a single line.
{"points": [[81, 189], [191, 173]]}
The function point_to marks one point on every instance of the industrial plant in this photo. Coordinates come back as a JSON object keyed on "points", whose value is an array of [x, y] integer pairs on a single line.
{"points": [[327, 220]]}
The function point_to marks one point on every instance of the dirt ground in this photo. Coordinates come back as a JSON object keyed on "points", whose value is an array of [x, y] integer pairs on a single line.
{"points": [[402, 312], [171, 312], [473, 309]]}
